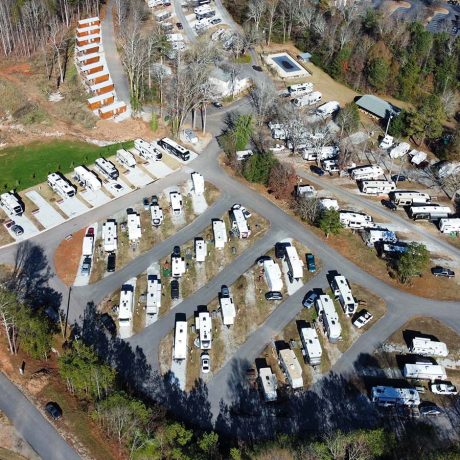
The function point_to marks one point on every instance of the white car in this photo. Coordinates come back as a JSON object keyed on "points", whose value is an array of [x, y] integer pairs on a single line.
{"points": [[363, 318], [205, 363], [386, 142], [445, 388]]}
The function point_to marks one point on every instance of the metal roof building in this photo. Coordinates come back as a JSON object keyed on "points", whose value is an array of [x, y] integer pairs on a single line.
{"points": [[376, 106]]}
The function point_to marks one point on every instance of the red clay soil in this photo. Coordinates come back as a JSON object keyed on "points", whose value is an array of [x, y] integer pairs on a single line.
{"points": [[67, 257]]}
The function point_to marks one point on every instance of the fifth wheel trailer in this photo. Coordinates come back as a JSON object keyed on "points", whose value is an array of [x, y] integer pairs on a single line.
{"points": [[424, 371], [376, 187], [409, 198], [390, 396], [367, 172], [429, 212]]}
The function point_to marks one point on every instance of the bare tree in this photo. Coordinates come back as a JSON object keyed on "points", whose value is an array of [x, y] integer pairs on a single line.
{"points": [[263, 98], [256, 9], [451, 102], [271, 6], [308, 208]]}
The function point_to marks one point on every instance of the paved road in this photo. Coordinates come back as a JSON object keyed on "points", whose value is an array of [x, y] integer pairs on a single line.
{"points": [[32, 425], [191, 35], [113, 58]]}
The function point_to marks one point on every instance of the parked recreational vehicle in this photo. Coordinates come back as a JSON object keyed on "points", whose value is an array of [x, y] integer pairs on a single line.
{"points": [[300, 89], [294, 263], [153, 302], [269, 384], [220, 233], [147, 150], [424, 371], [324, 153], [367, 172], [86, 178], [109, 235], [427, 347], [126, 158], [327, 109], [305, 191], [204, 326], [291, 367], [328, 203], [11, 203], [400, 150], [307, 99], [239, 223], [198, 183], [134, 227], [330, 166], [390, 396], [378, 235], [358, 220], [178, 266], [125, 311], [88, 245], [409, 198], [175, 199], [342, 292], [449, 225], [180, 341], [61, 185], [156, 215], [175, 149], [162, 15], [107, 168], [242, 155], [201, 250], [228, 310], [429, 212], [417, 158], [272, 274], [326, 311], [311, 345], [377, 187]]}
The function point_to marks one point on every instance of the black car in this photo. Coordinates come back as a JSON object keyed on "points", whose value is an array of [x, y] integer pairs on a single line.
{"points": [[179, 25], [389, 204], [216, 21], [176, 251], [146, 204], [174, 289], [398, 178], [111, 262], [54, 410], [153, 200], [428, 408], [217, 104], [224, 292], [257, 68], [108, 322], [280, 249], [317, 170], [443, 271], [273, 295], [17, 230]]}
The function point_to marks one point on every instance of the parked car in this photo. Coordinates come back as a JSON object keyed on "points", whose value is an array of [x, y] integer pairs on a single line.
{"points": [[111, 262], [311, 263], [443, 271], [389, 204], [398, 178], [146, 204], [179, 25], [280, 249], [86, 266], [54, 410], [17, 230], [215, 21], [443, 388], [175, 290], [190, 136], [217, 104], [363, 318], [262, 259], [429, 409], [317, 170], [257, 68], [10, 223], [153, 200], [310, 299], [224, 292], [273, 295], [90, 231], [108, 322], [176, 251], [205, 363]]}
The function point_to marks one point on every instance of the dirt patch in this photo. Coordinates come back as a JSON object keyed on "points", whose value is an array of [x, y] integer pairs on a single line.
{"points": [[67, 257], [390, 7], [5, 237], [165, 352]]}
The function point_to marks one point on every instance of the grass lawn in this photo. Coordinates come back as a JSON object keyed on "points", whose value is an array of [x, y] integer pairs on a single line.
{"points": [[27, 165]]}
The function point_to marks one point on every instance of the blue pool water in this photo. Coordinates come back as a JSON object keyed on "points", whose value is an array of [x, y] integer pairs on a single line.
{"points": [[286, 63]]}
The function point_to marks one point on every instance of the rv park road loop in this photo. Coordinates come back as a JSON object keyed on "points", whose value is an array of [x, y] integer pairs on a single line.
{"points": [[401, 305]]}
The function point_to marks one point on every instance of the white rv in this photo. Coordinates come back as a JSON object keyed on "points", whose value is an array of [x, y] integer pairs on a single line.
{"points": [[109, 235], [429, 212], [198, 183], [358, 220], [269, 384], [417, 158], [61, 185], [311, 345], [228, 311], [342, 292], [449, 225], [330, 166], [400, 150], [327, 109], [379, 235], [175, 199], [326, 310], [294, 263], [324, 153], [377, 187], [242, 155], [107, 168], [386, 142], [366, 172], [390, 396], [157, 215], [201, 250], [279, 133], [125, 311], [88, 245], [220, 233], [180, 341], [409, 198], [86, 178], [178, 266], [305, 190], [239, 223], [153, 302], [147, 150], [272, 274], [11, 203], [329, 203], [126, 159], [203, 325], [307, 99], [424, 371], [300, 89], [162, 15], [134, 227], [291, 367], [428, 347]]}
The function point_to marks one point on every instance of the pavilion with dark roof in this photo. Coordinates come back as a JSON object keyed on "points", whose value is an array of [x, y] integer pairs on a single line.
{"points": [[377, 107]]}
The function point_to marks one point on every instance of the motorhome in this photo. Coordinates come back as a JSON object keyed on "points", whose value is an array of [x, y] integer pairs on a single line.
{"points": [[203, 324], [390, 396], [367, 172], [427, 347], [291, 367], [326, 311], [11, 203], [107, 168], [134, 227], [125, 311], [239, 223], [86, 178], [175, 199], [147, 150], [153, 301], [269, 384], [61, 185], [228, 311], [209, 13], [409, 198], [175, 149], [357, 220], [449, 225], [198, 183], [294, 263], [109, 235], [178, 266], [378, 235], [327, 109], [201, 250], [392, 250], [126, 158], [220, 233], [180, 341], [311, 346], [300, 89], [377, 187], [307, 99], [272, 274], [424, 371], [342, 292], [156, 214], [400, 150], [429, 212]]}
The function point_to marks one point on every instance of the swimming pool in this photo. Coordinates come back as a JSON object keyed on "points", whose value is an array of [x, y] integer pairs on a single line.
{"points": [[285, 66], [286, 63]]}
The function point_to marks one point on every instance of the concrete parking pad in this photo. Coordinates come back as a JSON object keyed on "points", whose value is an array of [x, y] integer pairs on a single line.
{"points": [[72, 206], [193, 155], [179, 372], [116, 188], [27, 225], [95, 197], [46, 214], [158, 169], [137, 178]]}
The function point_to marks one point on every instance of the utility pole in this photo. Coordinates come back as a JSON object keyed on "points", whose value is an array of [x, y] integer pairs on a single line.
{"points": [[388, 124], [67, 313]]}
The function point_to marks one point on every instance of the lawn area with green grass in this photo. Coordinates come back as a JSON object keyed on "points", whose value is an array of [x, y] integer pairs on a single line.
{"points": [[28, 165]]}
